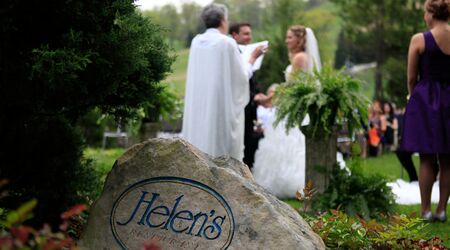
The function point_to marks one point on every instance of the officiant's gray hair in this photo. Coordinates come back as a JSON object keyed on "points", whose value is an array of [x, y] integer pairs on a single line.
{"points": [[213, 14]]}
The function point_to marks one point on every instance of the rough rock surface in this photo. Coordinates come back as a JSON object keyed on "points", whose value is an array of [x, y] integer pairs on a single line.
{"points": [[168, 192]]}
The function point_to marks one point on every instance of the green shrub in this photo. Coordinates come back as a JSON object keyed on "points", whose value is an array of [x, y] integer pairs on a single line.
{"points": [[49, 167], [92, 126], [356, 194], [15, 235], [165, 106], [88, 55], [341, 231], [402, 232]]}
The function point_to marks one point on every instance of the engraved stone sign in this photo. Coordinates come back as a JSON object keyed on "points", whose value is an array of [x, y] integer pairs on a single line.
{"points": [[168, 192], [167, 211]]}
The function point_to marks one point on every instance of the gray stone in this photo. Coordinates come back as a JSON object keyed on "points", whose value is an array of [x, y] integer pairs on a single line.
{"points": [[168, 191]]}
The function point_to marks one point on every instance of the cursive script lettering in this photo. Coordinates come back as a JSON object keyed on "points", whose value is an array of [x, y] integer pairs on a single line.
{"points": [[168, 218]]}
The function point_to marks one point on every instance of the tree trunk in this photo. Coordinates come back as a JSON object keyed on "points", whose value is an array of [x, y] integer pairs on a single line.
{"points": [[380, 45], [320, 158], [149, 130]]}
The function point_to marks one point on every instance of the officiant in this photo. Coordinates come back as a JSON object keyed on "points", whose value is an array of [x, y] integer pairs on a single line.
{"points": [[216, 88], [242, 34]]}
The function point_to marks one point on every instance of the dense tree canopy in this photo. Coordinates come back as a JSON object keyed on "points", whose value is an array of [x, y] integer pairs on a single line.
{"points": [[282, 15], [382, 29], [371, 31], [60, 59], [269, 19]]}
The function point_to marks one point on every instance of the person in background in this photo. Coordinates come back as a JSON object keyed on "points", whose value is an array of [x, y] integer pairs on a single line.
{"points": [[389, 126], [242, 34], [374, 131], [266, 110], [427, 116]]}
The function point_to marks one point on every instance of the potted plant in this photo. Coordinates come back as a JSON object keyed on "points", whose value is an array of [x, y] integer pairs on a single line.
{"points": [[332, 100]]}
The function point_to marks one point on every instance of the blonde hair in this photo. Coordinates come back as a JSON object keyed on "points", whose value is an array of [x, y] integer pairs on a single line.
{"points": [[272, 88], [299, 31]]}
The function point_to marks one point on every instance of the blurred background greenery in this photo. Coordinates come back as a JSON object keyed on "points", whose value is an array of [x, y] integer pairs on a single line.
{"points": [[349, 32]]}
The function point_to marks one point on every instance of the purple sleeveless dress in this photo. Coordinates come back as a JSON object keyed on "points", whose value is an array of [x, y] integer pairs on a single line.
{"points": [[427, 116]]}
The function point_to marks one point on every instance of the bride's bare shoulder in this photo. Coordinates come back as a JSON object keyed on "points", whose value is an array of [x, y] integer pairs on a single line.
{"points": [[299, 60]]}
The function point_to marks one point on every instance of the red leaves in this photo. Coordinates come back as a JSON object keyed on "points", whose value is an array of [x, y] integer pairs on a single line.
{"points": [[434, 244], [77, 209], [21, 233], [57, 244], [19, 236]]}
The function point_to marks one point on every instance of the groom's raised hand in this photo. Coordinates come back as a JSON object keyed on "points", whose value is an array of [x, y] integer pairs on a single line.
{"points": [[257, 53]]}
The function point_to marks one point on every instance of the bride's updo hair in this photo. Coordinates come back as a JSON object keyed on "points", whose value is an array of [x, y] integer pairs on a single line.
{"points": [[300, 32], [440, 9]]}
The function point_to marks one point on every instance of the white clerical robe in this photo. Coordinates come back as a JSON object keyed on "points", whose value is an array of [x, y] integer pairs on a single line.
{"points": [[217, 91]]}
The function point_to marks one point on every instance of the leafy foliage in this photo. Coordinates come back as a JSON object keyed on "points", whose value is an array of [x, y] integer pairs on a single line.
{"points": [[278, 18], [340, 231], [49, 167], [165, 106], [325, 24], [402, 232], [93, 124], [168, 16], [330, 98], [77, 56], [247, 10], [275, 60], [395, 80], [356, 194], [381, 30], [16, 235]]}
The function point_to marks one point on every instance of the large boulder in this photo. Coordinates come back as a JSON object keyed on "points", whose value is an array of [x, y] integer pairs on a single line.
{"points": [[167, 191]]}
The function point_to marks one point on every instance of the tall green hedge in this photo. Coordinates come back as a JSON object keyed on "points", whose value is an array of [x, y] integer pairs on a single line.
{"points": [[59, 60]]}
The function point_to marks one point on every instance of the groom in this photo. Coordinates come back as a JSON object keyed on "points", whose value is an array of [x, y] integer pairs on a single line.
{"points": [[242, 34], [216, 88]]}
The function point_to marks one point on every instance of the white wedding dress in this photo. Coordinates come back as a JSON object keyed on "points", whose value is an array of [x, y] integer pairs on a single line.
{"points": [[280, 159]]}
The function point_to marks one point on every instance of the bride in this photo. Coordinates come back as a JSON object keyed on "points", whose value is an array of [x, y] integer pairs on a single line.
{"points": [[280, 159]]}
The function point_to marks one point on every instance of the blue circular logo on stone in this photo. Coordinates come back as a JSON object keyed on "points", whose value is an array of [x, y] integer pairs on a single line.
{"points": [[173, 211]]}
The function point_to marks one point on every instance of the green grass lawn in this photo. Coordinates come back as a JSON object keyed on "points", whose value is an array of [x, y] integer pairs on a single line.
{"points": [[103, 160], [438, 229], [386, 165], [177, 79]]}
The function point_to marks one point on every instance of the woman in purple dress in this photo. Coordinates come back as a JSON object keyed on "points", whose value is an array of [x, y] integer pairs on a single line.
{"points": [[427, 117]]}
